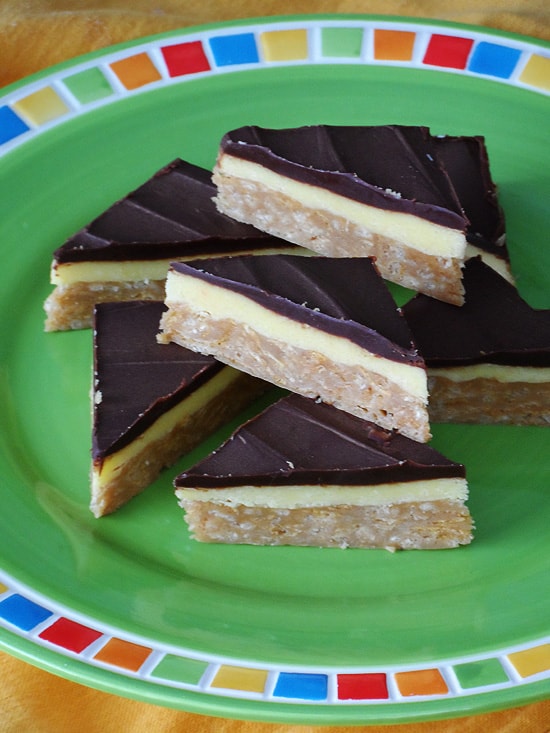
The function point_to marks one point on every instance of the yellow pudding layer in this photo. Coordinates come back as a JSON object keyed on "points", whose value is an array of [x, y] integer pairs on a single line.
{"points": [[418, 233], [90, 271], [498, 372], [496, 263], [221, 303], [292, 497], [67, 273], [106, 471]]}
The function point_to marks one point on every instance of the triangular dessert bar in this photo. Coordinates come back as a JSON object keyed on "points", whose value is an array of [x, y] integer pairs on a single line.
{"points": [[351, 191], [304, 473], [125, 252], [488, 361], [151, 404], [319, 326]]}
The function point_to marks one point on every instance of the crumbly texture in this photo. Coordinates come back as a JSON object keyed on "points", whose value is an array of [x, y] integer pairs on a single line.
{"points": [[335, 236], [155, 455], [310, 373], [488, 401], [70, 307], [415, 525]]}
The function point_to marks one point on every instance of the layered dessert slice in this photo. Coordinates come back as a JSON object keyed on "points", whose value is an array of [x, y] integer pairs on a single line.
{"points": [[489, 361], [346, 191], [466, 161], [151, 404], [304, 473], [323, 327], [125, 252]]}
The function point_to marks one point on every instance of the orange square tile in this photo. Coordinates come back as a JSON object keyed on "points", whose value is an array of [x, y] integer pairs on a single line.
{"points": [[123, 654], [393, 45], [421, 682], [136, 71]]}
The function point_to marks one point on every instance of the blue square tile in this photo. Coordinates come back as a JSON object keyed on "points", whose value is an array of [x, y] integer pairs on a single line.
{"points": [[23, 613], [301, 686], [10, 125], [493, 59], [239, 48]]}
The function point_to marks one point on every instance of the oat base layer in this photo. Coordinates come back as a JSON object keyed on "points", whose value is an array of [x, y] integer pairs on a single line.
{"points": [[331, 235], [353, 389], [70, 307], [488, 401], [415, 525], [143, 468]]}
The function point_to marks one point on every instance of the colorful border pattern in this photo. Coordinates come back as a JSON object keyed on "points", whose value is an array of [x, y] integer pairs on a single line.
{"points": [[35, 107], [26, 614], [30, 109]]}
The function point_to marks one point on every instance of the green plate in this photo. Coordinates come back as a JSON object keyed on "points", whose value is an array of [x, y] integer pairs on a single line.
{"points": [[129, 603]]}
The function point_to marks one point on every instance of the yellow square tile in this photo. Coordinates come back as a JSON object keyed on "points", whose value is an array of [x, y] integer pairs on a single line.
{"points": [[536, 72], [41, 106], [531, 661], [240, 678], [284, 45]]}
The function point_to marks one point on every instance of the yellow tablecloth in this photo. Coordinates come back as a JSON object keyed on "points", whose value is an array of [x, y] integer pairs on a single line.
{"points": [[38, 33]]}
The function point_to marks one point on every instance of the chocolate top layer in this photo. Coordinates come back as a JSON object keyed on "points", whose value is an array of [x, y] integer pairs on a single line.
{"points": [[495, 325], [467, 162], [136, 379], [389, 166], [342, 296], [172, 215], [302, 441]]}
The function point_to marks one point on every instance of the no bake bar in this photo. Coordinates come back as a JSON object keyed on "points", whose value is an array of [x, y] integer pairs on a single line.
{"points": [[319, 326], [305, 473], [124, 253], [351, 191], [488, 361], [151, 404]]}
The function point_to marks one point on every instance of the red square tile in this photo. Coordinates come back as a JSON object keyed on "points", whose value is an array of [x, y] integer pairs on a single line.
{"points": [[449, 51], [367, 686], [70, 635], [185, 58]]}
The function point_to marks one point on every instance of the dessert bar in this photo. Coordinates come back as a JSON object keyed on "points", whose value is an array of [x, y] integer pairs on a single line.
{"points": [[151, 404], [305, 473], [351, 191], [489, 361], [125, 252], [323, 327]]}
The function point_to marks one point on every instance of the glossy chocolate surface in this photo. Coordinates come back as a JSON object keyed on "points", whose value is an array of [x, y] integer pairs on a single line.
{"points": [[171, 215], [494, 325], [136, 379], [301, 441], [391, 167], [342, 296], [466, 160]]}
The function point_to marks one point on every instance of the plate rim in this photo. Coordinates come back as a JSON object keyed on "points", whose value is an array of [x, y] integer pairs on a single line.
{"points": [[10, 93], [534, 690], [272, 20], [203, 699]]}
